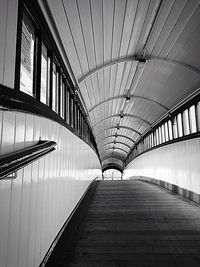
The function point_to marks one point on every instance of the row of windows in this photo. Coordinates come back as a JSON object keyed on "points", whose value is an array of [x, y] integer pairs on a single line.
{"points": [[40, 68], [182, 124]]}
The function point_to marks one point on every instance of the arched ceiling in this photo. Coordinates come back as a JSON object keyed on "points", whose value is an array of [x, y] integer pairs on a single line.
{"points": [[133, 60]]}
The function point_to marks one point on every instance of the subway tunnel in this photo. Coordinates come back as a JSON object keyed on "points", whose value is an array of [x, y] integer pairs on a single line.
{"points": [[99, 133]]}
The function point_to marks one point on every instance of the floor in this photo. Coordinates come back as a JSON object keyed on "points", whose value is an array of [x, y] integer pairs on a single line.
{"points": [[133, 223]]}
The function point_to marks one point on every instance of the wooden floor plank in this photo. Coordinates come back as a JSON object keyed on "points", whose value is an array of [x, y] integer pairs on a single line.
{"points": [[132, 223]]}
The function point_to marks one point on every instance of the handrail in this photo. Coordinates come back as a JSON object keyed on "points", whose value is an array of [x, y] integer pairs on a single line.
{"points": [[14, 161]]}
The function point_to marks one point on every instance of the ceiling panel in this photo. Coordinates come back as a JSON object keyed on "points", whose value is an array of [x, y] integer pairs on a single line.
{"points": [[103, 40]]}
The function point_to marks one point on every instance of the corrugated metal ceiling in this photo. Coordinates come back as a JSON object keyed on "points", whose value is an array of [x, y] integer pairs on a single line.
{"points": [[106, 42]]}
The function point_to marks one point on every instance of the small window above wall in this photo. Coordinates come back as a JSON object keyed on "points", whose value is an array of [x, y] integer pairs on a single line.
{"points": [[193, 122], [28, 42], [186, 125], [44, 95], [175, 129]]}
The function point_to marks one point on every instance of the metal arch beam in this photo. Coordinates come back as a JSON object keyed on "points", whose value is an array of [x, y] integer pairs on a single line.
{"points": [[116, 148], [124, 115], [119, 135], [120, 127], [112, 166], [111, 147], [131, 96], [112, 155], [138, 59], [122, 143], [106, 65]]}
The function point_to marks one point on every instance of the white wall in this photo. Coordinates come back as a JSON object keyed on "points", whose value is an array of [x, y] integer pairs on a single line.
{"points": [[178, 164], [34, 206], [8, 32]]}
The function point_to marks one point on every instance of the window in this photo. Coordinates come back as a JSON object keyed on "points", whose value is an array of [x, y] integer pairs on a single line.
{"points": [[198, 116], [160, 135], [186, 125], [192, 116], [27, 55], [170, 130], [163, 133], [180, 125], [54, 89], [44, 94], [157, 137], [43, 74], [166, 132], [67, 107], [175, 129], [62, 97]]}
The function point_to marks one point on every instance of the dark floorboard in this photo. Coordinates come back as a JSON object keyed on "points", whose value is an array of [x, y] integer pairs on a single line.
{"points": [[133, 223]]}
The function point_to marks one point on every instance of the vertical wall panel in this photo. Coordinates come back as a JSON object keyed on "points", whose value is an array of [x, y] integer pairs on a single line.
{"points": [[14, 221], [176, 163], [36, 204], [14, 218], [8, 133], [5, 191]]}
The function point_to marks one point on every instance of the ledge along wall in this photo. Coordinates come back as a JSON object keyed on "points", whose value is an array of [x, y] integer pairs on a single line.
{"points": [[175, 167], [35, 205]]}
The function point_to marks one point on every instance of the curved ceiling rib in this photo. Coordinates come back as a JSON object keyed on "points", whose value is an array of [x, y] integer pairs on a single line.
{"points": [[138, 59], [124, 115], [115, 148], [114, 135], [131, 97], [113, 155], [120, 127], [114, 144], [112, 166]]}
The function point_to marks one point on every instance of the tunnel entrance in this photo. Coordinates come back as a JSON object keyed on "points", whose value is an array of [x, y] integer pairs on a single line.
{"points": [[112, 174]]}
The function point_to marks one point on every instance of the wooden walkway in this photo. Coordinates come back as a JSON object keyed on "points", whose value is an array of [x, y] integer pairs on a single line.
{"points": [[133, 223]]}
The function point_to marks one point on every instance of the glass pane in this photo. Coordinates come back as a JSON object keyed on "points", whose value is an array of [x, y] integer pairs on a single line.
{"points": [[72, 111], [57, 91], [180, 126], [175, 130], [152, 144], [160, 135], [193, 125], [166, 132], [48, 81], [54, 88], [67, 106], [157, 137], [170, 130], [44, 76], [186, 125], [62, 98], [163, 133], [27, 56], [198, 116]]}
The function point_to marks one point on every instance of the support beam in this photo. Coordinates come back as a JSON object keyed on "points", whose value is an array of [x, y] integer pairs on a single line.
{"points": [[113, 155], [120, 127], [139, 59], [116, 148], [112, 147], [112, 166], [121, 143], [124, 115], [131, 97], [119, 135]]}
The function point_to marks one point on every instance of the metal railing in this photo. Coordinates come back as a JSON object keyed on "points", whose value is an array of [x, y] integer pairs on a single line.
{"points": [[14, 161]]}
